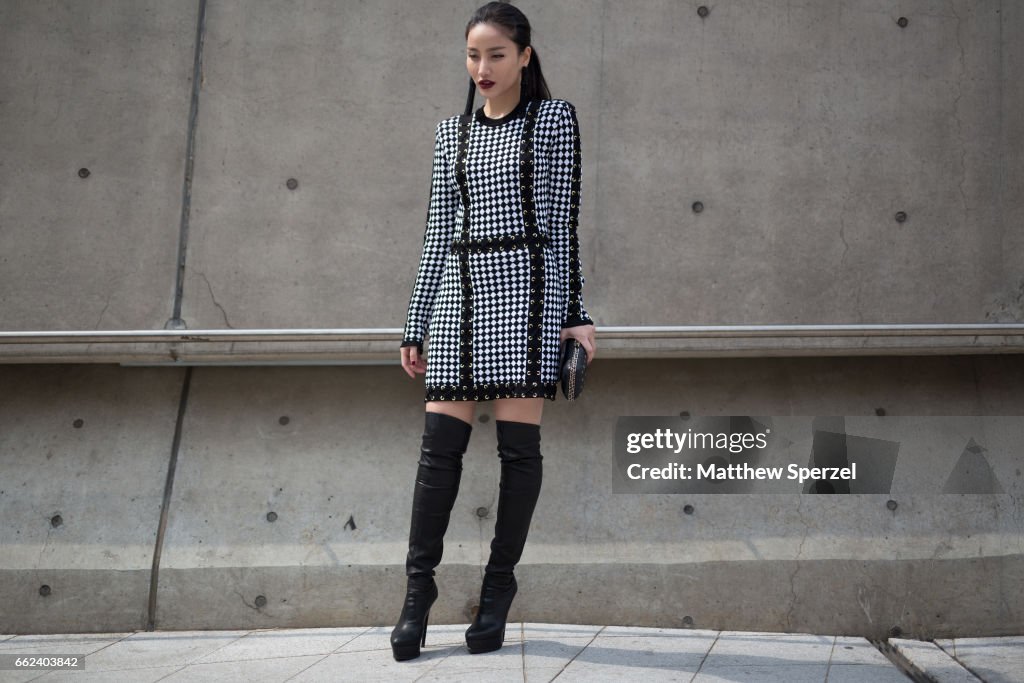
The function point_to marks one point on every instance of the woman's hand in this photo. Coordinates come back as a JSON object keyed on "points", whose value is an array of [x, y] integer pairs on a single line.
{"points": [[585, 335], [412, 361]]}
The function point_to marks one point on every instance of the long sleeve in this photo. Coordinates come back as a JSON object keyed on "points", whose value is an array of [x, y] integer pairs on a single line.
{"points": [[437, 238], [566, 181]]}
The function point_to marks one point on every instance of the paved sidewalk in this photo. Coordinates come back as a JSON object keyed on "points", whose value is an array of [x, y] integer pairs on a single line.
{"points": [[532, 652]]}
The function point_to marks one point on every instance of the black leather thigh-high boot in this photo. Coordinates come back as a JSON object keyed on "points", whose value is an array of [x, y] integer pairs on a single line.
{"points": [[521, 476], [445, 439]]}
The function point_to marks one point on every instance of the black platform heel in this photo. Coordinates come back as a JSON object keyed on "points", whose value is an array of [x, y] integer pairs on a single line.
{"points": [[410, 634], [487, 632]]}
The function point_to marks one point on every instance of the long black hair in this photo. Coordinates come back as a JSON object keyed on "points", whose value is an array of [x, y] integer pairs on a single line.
{"points": [[516, 26]]}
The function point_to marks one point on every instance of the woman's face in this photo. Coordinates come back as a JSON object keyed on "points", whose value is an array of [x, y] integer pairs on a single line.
{"points": [[491, 58]]}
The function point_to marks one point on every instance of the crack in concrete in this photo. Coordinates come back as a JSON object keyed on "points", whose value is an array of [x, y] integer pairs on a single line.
{"points": [[846, 245], [214, 299], [245, 602], [864, 605], [46, 542], [111, 287], [956, 113], [106, 305], [858, 282], [796, 569]]}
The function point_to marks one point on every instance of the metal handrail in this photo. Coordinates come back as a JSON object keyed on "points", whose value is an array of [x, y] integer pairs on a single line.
{"points": [[604, 332]]}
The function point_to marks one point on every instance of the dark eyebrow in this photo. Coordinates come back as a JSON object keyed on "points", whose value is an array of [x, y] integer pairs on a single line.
{"points": [[490, 48]]}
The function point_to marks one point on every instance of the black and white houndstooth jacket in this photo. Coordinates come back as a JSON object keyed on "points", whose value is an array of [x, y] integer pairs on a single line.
{"points": [[500, 274]]}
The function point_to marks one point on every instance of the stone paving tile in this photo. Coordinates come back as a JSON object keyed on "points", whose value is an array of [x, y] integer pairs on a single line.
{"points": [[149, 649], [475, 676], [933, 660], [744, 648], [284, 643], [19, 676], [995, 660], [541, 654], [508, 658], [263, 670], [371, 665], [532, 630], [442, 636], [655, 631], [544, 674], [148, 675], [866, 673], [587, 672], [855, 650], [630, 657], [663, 656], [61, 643], [763, 673], [137, 656], [677, 641]]}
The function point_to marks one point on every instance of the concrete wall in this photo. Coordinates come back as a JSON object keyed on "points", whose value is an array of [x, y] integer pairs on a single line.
{"points": [[332, 452], [803, 128]]}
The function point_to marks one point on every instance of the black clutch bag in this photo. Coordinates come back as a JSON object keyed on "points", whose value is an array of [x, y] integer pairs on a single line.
{"points": [[574, 368]]}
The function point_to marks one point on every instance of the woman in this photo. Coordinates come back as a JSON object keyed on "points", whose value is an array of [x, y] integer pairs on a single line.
{"points": [[500, 286]]}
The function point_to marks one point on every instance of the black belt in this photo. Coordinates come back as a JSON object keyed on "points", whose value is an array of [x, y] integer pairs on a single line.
{"points": [[499, 243]]}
